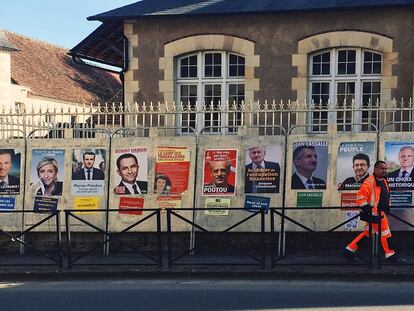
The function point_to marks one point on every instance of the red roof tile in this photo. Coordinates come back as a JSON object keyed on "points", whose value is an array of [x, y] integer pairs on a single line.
{"points": [[49, 72]]}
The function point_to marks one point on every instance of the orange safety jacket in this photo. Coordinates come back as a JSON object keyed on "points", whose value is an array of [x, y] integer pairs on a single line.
{"points": [[369, 193]]}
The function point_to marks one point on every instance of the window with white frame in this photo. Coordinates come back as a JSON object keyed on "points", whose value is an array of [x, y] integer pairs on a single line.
{"points": [[344, 77], [210, 78]]}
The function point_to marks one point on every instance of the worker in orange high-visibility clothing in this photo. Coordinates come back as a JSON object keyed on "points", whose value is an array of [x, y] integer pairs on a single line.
{"points": [[372, 197]]}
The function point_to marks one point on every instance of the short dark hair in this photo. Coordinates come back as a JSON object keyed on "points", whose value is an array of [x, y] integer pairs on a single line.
{"points": [[361, 156], [88, 153], [125, 156], [299, 149], [378, 163], [7, 151]]}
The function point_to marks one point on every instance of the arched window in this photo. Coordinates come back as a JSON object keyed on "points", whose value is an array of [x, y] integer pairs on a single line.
{"points": [[211, 78], [344, 76]]}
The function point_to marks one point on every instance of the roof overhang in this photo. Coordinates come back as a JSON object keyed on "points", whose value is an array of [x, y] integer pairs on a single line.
{"points": [[105, 45]]}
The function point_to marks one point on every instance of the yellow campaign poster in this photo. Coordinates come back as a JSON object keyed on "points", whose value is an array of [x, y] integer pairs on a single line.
{"points": [[86, 203]]}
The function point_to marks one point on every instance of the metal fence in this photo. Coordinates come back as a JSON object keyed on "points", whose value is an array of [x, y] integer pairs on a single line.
{"points": [[193, 117]]}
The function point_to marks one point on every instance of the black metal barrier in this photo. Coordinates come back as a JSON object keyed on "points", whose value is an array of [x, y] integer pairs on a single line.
{"points": [[55, 255], [112, 237], [261, 260], [278, 254]]}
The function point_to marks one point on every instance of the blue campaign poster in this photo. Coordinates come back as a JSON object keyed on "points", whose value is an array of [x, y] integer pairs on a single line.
{"points": [[7, 203], [255, 203]]}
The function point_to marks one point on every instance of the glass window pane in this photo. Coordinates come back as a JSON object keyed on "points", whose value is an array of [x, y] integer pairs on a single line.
{"points": [[193, 60], [326, 69], [208, 71], [342, 68], [233, 71], [376, 87], [217, 58], [217, 71], [376, 68], [367, 68], [350, 68], [377, 57], [317, 58], [326, 57], [341, 88], [315, 88], [366, 87], [208, 59], [193, 72], [342, 56], [325, 88], [184, 72], [316, 69], [184, 61], [351, 56], [367, 56]]}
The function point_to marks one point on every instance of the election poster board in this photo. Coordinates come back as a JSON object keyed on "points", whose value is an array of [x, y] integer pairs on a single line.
{"points": [[262, 169], [309, 165], [88, 172], [131, 171], [220, 172], [48, 172], [400, 160], [172, 169], [10, 162], [354, 164]]}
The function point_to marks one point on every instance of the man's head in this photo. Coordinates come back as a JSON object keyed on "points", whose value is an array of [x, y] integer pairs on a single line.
{"points": [[380, 169], [406, 157], [257, 154], [220, 172], [5, 162], [360, 164], [88, 159], [305, 160], [128, 167]]}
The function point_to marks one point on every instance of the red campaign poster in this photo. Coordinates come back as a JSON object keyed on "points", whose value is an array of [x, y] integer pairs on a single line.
{"points": [[172, 169], [348, 201], [220, 167], [128, 203]]}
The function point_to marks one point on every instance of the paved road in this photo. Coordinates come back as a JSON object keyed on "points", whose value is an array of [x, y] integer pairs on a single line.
{"points": [[119, 295]]}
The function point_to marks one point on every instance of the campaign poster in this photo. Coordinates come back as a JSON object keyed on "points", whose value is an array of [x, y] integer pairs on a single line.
{"points": [[262, 169], [255, 203], [217, 207], [348, 201], [131, 205], [86, 204], [48, 172], [131, 170], [172, 170], [170, 201], [88, 172], [309, 199], [7, 203], [400, 160], [351, 222], [45, 204], [220, 170], [10, 160], [309, 165], [355, 163]]}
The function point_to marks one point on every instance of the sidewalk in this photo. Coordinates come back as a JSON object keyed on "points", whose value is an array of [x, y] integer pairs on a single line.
{"points": [[102, 267]]}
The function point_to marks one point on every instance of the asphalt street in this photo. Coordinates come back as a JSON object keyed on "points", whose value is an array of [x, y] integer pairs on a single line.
{"points": [[205, 295]]}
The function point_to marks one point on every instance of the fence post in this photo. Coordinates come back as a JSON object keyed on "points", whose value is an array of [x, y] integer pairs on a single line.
{"points": [[169, 242]]}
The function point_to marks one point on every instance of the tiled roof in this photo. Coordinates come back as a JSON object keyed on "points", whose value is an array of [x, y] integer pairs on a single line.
{"points": [[49, 72], [201, 7], [5, 44]]}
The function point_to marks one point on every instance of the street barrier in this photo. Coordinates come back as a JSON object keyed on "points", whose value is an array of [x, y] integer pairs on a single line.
{"points": [[259, 259], [110, 238]]}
